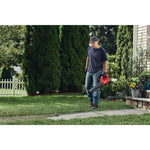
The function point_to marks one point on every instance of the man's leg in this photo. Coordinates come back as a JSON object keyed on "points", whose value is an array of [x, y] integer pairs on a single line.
{"points": [[96, 93], [88, 85]]}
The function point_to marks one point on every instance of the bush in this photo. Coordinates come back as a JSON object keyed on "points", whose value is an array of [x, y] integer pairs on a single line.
{"points": [[136, 80], [7, 73], [111, 89], [146, 75], [74, 42], [41, 61], [113, 68]]}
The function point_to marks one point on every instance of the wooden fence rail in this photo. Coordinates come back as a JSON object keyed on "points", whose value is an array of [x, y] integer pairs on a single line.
{"points": [[12, 87]]}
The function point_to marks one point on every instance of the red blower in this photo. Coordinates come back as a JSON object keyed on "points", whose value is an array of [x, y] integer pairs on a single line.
{"points": [[102, 83]]}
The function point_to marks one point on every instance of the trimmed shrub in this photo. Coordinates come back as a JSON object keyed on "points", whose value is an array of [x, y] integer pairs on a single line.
{"points": [[41, 62], [74, 44]]}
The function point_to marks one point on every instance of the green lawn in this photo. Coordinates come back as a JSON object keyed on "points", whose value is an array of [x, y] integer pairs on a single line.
{"points": [[52, 105], [105, 120]]}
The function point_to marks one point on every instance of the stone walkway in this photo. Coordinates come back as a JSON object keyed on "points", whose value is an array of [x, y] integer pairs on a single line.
{"points": [[121, 112]]}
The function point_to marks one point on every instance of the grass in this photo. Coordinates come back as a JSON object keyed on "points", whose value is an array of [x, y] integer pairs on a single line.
{"points": [[52, 105], [105, 120], [34, 109]]}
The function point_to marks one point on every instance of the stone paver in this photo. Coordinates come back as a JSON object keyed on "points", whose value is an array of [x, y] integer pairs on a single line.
{"points": [[121, 112]]}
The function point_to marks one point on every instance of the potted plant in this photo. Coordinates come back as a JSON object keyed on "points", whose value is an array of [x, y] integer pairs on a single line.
{"points": [[146, 77], [136, 89]]}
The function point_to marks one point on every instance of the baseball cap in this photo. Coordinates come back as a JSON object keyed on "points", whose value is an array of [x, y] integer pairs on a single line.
{"points": [[93, 39]]}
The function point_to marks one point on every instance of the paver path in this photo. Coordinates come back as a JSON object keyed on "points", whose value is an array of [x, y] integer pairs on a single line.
{"points": [[136, 111]]}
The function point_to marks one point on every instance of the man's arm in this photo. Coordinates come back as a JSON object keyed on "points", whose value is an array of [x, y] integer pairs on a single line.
{"points": [[105, 66], [87, 62]]}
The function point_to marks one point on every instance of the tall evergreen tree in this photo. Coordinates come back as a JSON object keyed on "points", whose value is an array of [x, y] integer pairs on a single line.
{"points": [[29, 63], [74, 43], [124, 49], [127, 52], [120, 44], [41, 63]]}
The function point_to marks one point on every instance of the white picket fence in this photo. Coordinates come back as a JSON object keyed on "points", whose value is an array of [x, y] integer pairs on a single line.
{"points": [[12, 87]]}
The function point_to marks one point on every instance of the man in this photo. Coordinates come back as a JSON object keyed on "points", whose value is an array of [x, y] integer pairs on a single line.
{"points": [[95, 62]]}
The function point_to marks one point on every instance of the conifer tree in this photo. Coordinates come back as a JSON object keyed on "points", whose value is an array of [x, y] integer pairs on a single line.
{"points": [[124, 49], [41, 61], [74, 43], [120, 44], [127, 52], [29, 63]]}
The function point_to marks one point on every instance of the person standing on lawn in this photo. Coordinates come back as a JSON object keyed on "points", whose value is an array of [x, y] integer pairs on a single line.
{"points": [[95, 62]]}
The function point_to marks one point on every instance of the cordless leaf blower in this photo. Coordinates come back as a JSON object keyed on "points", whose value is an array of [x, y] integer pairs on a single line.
{"points": [[101, 83]]}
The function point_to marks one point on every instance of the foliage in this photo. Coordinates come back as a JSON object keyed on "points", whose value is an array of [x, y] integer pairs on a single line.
{"points": [[29, 63], [11, 49], [41, 63], [138, 83], [145, 79], [135, 86], [7, 73], [111, 89], [112, 67], [127, 52], [11, 45], [135, 79], [146, 75], [139, 64], [124, 49], [74, 42], [107, 35]]}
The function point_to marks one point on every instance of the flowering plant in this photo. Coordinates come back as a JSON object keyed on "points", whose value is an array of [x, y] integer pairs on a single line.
{"points": [[137, 86], [133, 85], [138, 83]]}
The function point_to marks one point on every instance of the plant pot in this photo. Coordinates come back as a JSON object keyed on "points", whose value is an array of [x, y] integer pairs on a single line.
{"points": [[147, 93], [147, 85], [136, 93]]}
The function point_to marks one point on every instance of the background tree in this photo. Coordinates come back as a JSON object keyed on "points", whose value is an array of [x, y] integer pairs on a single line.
{"points": [[107, 35], [41, 63], [74, 44], [11, 47]]}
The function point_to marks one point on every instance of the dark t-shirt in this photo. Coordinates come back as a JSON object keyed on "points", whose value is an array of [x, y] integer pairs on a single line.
{"points": [[96, 59]]}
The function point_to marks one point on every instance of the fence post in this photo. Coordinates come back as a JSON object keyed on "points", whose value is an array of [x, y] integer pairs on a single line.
{"points": [[13, 85]]}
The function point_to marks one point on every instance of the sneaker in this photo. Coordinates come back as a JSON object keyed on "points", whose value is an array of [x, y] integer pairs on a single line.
{"points": [[94, 107]]}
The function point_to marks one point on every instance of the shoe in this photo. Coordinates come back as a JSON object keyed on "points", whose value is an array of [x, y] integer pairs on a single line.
{"points": [[91, 104], [94, 107]]}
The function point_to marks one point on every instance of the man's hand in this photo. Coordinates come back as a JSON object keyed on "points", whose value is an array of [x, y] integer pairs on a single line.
{"points": [[104, 75]]}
